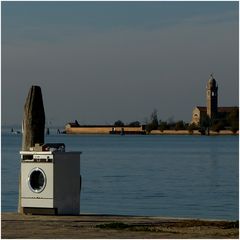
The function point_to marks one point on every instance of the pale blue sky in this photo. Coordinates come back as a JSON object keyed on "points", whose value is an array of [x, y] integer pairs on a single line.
{"points": [[98, 62]]}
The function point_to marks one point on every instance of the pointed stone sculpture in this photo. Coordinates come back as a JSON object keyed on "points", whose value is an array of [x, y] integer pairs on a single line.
{"points": [[33, 119], [33, 125]]}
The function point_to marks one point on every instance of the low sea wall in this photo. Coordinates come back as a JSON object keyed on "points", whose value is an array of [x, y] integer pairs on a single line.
{"points": [[137, 130], [186, 132], [101, 130], [175, 132]]}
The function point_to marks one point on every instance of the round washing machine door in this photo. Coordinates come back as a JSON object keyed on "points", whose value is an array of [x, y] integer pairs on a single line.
{"points": [[37, 180]]}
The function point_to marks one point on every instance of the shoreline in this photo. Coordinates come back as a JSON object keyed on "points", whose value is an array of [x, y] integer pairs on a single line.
{"points": [[85, 226], [138, 131], [195, 132]]}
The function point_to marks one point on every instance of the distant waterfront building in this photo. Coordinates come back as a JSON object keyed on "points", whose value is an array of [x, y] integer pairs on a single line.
{"points": [[211, 110], [212, 97]]}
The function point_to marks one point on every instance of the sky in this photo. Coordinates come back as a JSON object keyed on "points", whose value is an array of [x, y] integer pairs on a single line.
{"points": [[99, 62]]}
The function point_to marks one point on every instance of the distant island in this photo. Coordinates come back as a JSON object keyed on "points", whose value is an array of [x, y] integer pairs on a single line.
{"points": [[169, 129], [209, 120]]}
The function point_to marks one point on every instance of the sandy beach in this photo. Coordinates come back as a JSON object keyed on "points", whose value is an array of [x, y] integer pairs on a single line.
{"points": [[85, 226]]}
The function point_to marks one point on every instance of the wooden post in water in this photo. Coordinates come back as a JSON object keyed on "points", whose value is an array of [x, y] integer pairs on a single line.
{"points": [[33, 125]]}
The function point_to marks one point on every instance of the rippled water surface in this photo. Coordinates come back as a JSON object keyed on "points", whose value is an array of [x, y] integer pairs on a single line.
{"points": [[177, 176]]}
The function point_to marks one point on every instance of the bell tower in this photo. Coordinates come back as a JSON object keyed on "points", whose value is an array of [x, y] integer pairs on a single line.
{"points": [[212, 97]]}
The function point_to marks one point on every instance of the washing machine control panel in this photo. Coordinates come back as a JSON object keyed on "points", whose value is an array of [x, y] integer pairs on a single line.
{"points": [[42, 153], [43, 158]]}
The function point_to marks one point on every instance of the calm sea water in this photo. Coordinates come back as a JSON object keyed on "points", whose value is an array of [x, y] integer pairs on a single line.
{"points": [[173, 176]]}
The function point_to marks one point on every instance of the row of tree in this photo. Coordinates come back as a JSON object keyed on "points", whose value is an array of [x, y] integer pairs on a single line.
{"points": [[230, 121], [155, 124]]}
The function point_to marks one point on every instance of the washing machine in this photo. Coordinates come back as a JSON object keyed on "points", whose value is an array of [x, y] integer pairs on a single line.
{"points": [[50, 181]]}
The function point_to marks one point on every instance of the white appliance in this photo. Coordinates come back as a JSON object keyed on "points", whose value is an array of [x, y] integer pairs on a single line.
{"points": [[50, 181]]}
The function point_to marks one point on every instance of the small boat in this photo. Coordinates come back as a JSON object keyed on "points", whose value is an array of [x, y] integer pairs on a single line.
{"points": [[15, 132]]}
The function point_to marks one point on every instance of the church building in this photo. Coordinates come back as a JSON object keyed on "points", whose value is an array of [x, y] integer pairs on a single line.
{"points": [[211, 110]]}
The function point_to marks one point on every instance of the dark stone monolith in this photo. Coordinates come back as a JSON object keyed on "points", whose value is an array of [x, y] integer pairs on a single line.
{"points": [[33, 119], [33, 125]]}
